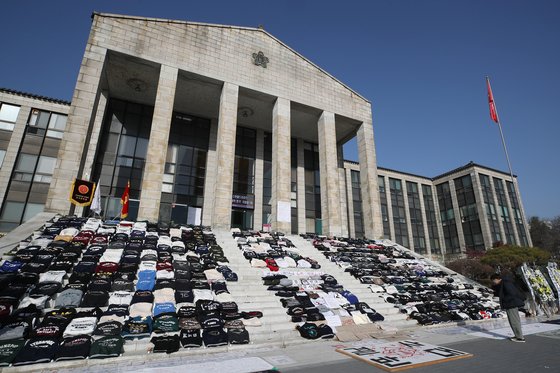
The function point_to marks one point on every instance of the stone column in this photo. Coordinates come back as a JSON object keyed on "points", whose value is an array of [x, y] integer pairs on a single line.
{"points": [[259, 168], [152, 179], [350, 199], [498, 211], [343, 202], [523, 216], [78, 128], [389, 209], [281, 216], [481, 209], [373, 224], [425, 221], [407, 215], [458, 220], [225, 153], [511, 214], [87, 172], [442, 245], [210, 175], [13, 149], [328, 169], [302, 228]]}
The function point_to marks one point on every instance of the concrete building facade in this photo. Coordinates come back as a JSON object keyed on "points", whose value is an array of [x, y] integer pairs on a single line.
{"points": [[468, 209], [227, 126], [147, 84]]}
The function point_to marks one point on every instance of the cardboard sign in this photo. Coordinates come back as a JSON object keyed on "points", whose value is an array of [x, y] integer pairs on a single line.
{"points": [[401, 355], [81, 193]]}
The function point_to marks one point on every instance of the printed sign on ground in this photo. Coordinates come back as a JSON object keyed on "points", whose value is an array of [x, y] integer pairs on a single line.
{"points": [[401, 355]]}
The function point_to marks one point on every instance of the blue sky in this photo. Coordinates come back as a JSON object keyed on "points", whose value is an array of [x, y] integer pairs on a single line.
{"points": [[421, 63]]}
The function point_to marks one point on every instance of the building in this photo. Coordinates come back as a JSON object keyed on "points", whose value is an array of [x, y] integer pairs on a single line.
{"points": [[229, 127], [31, 129], [471, 208]]}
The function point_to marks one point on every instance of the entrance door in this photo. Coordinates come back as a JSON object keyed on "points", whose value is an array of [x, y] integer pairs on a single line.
{"points": [[242, 219]]}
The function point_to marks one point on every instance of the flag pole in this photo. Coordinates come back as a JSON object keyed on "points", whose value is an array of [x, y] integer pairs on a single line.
{"points": [[506, 152]]}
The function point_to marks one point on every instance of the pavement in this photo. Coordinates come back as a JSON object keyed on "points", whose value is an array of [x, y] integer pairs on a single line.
{"points": [[485, 340]]}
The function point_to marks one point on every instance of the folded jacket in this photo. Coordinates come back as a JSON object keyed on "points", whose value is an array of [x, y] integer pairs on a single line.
{"points": [[81, 325]]}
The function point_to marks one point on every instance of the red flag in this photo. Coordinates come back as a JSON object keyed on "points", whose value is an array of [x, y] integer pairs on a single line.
{"points": [[491, 103], [124, 201]]}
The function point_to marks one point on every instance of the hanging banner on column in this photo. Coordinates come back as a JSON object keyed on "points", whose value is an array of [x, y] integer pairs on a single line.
{"points": [[284, 212], [81, 193]]}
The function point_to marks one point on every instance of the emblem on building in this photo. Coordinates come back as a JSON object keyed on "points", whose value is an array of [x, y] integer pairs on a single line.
{"points": [[259, 59]]}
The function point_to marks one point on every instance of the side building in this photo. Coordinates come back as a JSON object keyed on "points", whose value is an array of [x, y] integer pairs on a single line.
{"points": [[463, 211], [31, 129]]}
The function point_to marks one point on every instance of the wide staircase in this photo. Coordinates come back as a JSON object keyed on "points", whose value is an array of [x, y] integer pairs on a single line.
{"points": [[393, 317], [251, 295]]}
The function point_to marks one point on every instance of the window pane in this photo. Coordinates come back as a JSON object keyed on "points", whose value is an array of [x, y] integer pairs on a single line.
{"points": [[57, 122], [2, 154], [46, 165], [12, 211], [9, 113], [32, 209], [26, 162]]}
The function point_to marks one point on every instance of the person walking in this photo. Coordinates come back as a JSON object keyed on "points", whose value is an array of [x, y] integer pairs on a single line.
{"points": [[511, 299]]}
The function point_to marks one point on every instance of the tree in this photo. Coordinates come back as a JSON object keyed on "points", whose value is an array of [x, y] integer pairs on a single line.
{"points": [[541, 232], [508, 258], [473, 269]]}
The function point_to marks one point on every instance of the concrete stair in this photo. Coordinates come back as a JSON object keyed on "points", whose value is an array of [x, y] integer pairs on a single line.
{"points": [[393, 317], [251, 295]]}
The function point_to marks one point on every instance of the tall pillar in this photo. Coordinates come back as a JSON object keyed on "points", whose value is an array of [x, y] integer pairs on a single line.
{"points": [[13, 149], [392, 235], [152, 179], [373, 224], [343, 202], [328, 169], [499, 212], [407, 216], [511, 214], [522, 212], [350, 199], [281, 212], [442, 244], [78, 129], [210, 175], [259, 168], [302, 227], [225, 152], [481, 209], [87, 172], [457, 213], [425, 221]]}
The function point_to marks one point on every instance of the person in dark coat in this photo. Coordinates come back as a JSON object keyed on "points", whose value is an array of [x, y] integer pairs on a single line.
{"points": [[511, 299]]}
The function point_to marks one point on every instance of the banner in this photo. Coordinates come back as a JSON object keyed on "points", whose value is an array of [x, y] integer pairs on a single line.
{"points": [[81, 193]]}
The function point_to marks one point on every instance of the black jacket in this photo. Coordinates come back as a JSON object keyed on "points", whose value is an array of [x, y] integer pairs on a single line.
{"points": [[510, 295]]}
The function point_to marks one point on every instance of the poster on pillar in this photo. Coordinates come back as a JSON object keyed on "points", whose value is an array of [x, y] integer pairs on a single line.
{"points": [[284, 212]]}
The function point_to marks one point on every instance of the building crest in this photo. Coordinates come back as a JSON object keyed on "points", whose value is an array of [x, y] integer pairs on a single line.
{"points": [[259, 59]]}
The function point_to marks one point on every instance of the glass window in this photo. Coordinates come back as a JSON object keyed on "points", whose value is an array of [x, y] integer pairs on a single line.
{"points": [[46, 165], [26, 162], [32, 209], [9, 113], [12, 211], [2, 155]]}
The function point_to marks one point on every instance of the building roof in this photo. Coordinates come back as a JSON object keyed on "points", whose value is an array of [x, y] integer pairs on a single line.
{"points": [[255, 29], [34, 96], [469, 165], [458, 169]]}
